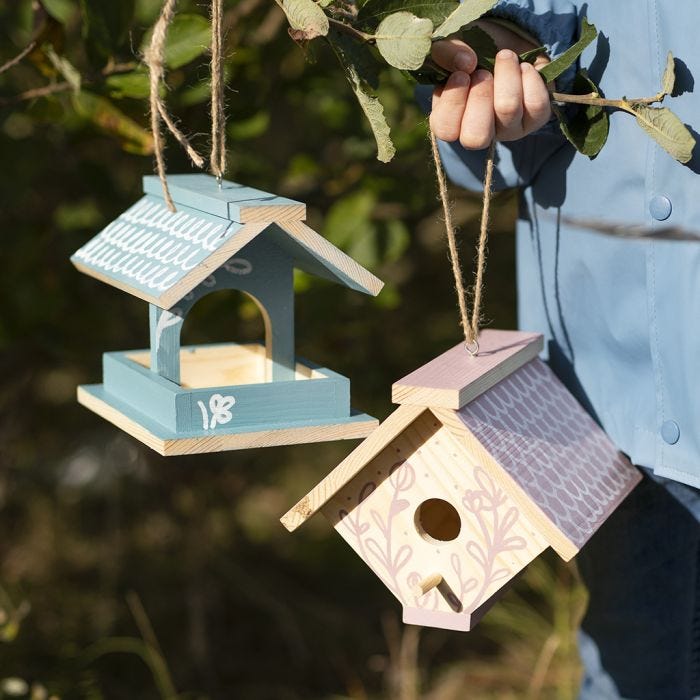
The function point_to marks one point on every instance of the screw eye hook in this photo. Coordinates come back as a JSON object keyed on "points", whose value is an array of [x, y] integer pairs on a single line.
{"points": [[472, 347]]}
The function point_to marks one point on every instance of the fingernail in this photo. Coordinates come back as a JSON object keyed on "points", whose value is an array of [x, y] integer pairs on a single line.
{"points": [[507, 55], [464, 61]]}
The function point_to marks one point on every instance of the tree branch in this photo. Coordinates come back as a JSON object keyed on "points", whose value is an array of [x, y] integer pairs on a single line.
{"points": [[36, 92], [14, 61]]}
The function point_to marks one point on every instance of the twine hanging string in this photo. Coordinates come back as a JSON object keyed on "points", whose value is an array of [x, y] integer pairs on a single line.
{"points": [[154, 58], [470, 326], [217, 159]]}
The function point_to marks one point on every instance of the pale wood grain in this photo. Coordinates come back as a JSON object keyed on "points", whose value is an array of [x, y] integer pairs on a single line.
{"points": [[455, 377], [377, 514], [350, 466], [277, 213], [328, 254], [221, 441], [427, 584], [226, 364], [561, 544]]}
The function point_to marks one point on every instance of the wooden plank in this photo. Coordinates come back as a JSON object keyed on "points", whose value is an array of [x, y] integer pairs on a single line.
{"points": [[561, 544], [418, 511], [536, 430], [350, 466], [139, 427], [455, 378], [190, 280], [232, 201], [346, 270]]}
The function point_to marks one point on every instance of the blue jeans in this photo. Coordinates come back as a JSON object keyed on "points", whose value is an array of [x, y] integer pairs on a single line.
{"points": [[640, 638]]}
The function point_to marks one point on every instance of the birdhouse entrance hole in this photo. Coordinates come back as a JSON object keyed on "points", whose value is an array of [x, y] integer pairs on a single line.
{"points": [[437, 520]]}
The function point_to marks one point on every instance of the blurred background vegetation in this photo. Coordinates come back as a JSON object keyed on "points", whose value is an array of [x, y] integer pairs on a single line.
{"points": [[128, 575]]}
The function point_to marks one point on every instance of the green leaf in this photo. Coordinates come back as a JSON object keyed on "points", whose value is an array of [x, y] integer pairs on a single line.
{"points": [[483, 45], [361, 70], [588, 129], [106, 25], [532, 55], [352, 53], [306, 18], [666, 129], [554, 69], [134, 84], [374, 11], [668, 81], [467, 12], [189, 36], [69, 72], [374, 112], [110, 119], [61, 10], [404, 40]]}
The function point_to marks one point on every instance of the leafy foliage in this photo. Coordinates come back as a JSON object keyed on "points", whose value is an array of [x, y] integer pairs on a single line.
{"points": [[588, 129], [402, 31], [666, 129], [556, 67]]}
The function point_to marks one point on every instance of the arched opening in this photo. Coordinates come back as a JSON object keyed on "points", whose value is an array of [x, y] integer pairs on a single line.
{"points": [[225, 340], [437, 520]]}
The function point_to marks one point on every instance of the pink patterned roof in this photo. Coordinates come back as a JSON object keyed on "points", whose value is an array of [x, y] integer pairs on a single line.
{"points": [[543, 438]]}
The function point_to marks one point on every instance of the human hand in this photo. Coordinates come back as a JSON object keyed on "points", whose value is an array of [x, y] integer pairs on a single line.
{"points": [[475, 106]]}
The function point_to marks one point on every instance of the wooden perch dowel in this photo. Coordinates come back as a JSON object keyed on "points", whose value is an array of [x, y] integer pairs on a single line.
{"points": [[427, 584]]}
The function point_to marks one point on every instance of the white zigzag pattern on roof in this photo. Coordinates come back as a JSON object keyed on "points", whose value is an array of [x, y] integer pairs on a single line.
{"points": [[552, 448], [148, 240]]}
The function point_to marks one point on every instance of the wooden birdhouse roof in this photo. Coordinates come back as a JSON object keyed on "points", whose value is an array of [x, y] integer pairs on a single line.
{"points": [[160, 256], [520, 423]]}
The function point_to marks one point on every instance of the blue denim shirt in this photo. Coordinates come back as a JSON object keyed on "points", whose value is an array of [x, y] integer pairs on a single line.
{"points": [[621, 314]]}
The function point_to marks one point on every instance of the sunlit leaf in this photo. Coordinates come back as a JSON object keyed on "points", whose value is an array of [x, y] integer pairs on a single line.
{"points": [[467, 12], [374, 112], [62, 10], [69, 72], [588, 129], [556, 67], [133, 84], [306, 18], [188, 37], [668, 81], [404, 40], [110, 119], [361, 71], [667, 130], [374, 11]]}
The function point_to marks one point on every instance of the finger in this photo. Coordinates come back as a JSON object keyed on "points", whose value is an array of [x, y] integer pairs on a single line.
{"points": [[536, 107], [478, 127], [508, 96], [446, 117], [454, 55]]}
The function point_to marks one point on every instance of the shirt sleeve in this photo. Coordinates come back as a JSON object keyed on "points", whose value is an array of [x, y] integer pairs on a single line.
{"points": [[555, 24]]}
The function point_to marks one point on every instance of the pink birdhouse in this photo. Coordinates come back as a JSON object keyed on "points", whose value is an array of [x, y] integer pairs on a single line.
{"points": [[488, 461]]}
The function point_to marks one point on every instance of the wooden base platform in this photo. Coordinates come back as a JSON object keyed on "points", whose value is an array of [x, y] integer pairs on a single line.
{"points": [[151, 433]]}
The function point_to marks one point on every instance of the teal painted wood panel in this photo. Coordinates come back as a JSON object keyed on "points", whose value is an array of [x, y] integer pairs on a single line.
{"points": [[260, 270], [202, 192], [149, 249], [181, 409], [162, 432], [221, 408], [133, 384]]}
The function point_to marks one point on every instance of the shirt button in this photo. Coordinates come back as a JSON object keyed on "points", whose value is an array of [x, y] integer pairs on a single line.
{"points": [[670, 432], [660, 207]]}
